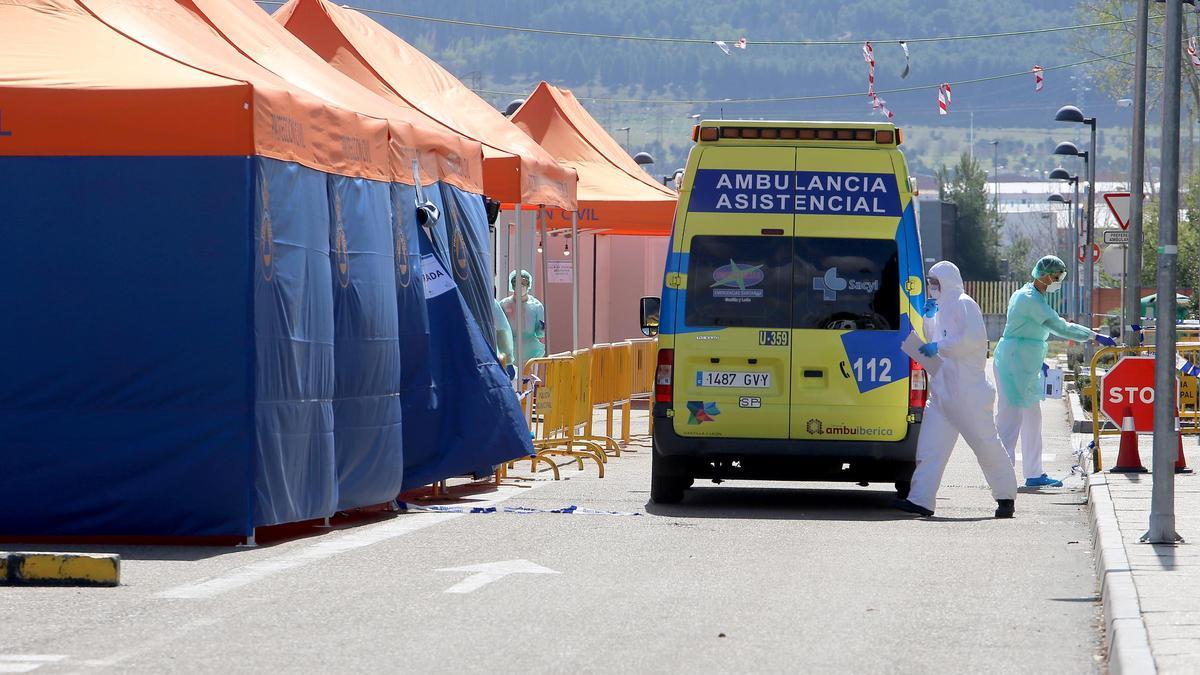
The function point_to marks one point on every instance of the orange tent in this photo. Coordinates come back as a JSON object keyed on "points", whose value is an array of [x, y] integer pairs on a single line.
{"points": [[251, 34], [515, 168], [616, 196], [67, 81]]}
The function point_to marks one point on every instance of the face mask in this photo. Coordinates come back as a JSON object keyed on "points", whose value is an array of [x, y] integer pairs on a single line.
{"points": [[935, 291], [1054, 286]]}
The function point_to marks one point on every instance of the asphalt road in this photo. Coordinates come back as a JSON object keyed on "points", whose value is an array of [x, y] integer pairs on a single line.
{"points": [[751, 577]]}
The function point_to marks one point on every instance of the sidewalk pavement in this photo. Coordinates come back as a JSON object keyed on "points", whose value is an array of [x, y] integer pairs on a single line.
{"points": [[1151, 593]]}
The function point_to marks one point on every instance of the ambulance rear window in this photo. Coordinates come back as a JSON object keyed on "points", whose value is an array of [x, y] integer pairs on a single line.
{"points": [[739, 281], [846, 284]]}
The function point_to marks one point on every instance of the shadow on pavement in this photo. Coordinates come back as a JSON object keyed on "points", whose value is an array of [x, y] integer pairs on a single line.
{"points": [[782, 503]]}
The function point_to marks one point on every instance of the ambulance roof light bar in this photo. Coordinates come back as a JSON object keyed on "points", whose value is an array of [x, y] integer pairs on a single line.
{"points": [[878, 136]]}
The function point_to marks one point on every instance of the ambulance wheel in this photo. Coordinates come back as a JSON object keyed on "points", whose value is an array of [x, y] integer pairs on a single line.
{"points": [[666, 487], [902, 488]]}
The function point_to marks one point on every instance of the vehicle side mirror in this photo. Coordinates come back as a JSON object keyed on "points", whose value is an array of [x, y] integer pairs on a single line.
{"points": [[650, 311]]}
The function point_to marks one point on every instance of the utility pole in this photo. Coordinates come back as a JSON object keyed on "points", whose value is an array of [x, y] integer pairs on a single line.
{"points": [[1131, 299], [995, 178], [1166, 436]]}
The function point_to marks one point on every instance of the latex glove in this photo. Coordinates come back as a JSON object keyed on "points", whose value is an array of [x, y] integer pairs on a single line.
{"points": [[930, 349], [931, 307], [1105, 340]]}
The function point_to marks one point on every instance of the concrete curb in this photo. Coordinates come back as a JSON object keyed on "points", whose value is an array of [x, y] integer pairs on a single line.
{"points": [[1081, 422], [1128, 640], [60, 569]]}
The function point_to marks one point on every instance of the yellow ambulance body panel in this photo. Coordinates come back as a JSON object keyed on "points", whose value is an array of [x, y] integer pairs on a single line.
{"points": [[794, 274]]}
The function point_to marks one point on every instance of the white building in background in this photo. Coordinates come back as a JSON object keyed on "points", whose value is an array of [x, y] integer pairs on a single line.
{"points": [[1026, 213]]}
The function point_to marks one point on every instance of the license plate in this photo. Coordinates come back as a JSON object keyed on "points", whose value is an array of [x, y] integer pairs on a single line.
{"points": [[711, 378]]}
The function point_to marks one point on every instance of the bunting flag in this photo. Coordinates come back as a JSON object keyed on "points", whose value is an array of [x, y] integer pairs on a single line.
{"points": [[741, 43], [881, 105], [907, 60], [724, 47], [1038, 78], [1191, 50], [869, 57], [944, 99]]}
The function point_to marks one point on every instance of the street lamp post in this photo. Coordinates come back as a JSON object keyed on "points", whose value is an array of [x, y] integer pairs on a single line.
{"points": [[1166, 436], [626, 130], [1068, 149], [1060, 173], [1070, 113], [1072, 289], [1131, 307]]}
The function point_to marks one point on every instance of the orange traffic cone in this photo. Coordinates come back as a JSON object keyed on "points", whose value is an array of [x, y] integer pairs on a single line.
{"points": [[1180, 461], [1128, 460]]}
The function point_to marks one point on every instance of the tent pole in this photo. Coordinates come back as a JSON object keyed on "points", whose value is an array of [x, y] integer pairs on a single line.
{"points": [[518, 306], [545, 270], [575, 281]]}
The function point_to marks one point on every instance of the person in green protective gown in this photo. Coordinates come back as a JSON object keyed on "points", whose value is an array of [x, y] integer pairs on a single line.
{"points": [[1019, 366], [504, 339], [529, 335]]}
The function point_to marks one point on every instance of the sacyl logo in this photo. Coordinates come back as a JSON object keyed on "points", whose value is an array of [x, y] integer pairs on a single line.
{"points": [[815, 427], [829, 284]]}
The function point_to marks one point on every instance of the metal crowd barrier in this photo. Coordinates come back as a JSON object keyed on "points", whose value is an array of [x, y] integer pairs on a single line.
{"points": [[551, 410], [565, 390], [1189, 395], [644, 362]]}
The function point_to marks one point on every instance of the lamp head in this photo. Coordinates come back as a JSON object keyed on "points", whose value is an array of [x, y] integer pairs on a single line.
{"points": [[1067, 148], [1069, 113]]}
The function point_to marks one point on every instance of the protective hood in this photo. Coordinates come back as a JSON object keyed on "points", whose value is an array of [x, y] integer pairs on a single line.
{"points": [[512, 280], [949, 277]]}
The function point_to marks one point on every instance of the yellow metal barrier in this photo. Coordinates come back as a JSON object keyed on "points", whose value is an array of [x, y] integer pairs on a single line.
{"points": [[550, 410], [593, 391], [1189, 409], [644, 364], [617, 370]]}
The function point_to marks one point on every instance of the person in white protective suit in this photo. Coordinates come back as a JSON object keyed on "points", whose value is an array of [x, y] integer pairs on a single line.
{"points": [[960, 397]]}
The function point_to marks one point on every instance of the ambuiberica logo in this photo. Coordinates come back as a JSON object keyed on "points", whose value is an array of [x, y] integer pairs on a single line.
{"points": [[816, 427]]}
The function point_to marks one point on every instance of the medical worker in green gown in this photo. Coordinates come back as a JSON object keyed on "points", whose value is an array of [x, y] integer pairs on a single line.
{"points": [[529, 335], [1019, 370]]}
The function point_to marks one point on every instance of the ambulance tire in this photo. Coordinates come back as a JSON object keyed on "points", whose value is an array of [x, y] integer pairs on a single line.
{"points": [[666, 486], [902, 488]]}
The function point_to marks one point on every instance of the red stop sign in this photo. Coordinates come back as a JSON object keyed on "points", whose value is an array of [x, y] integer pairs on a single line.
{"points": [[1130, 384]]}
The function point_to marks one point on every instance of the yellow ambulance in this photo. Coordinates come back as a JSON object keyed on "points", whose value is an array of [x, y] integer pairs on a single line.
{"points": [[794, 274]]}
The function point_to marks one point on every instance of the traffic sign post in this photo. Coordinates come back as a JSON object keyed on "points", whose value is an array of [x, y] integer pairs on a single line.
{"points": [[1130, 384], [1095, 253]]}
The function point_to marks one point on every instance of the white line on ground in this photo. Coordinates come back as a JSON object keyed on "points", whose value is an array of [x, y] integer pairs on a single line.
{"points": [[24, 663], [327, 548]]}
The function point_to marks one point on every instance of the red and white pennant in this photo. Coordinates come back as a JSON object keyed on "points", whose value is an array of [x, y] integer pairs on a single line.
{"points": [[1039, 80], [869, 57], [944, 99]]}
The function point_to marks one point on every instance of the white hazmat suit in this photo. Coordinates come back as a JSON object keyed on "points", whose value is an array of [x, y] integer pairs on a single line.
{"points": [[960, 397]]}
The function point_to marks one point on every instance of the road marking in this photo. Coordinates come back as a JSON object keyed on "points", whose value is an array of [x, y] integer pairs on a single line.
{"points": [[327, 548], [24, 663], [486, 573]]}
